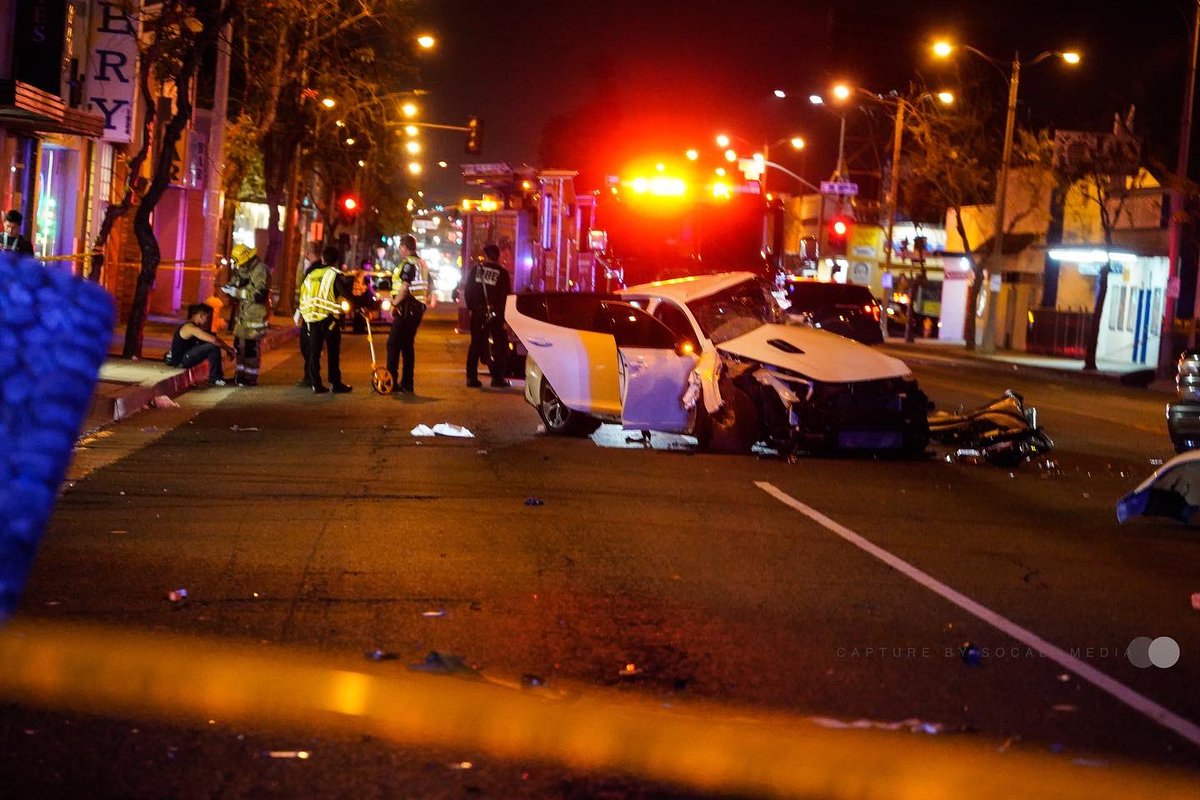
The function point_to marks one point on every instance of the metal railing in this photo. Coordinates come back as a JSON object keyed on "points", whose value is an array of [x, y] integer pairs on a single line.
{"points": [[1058, 332]]}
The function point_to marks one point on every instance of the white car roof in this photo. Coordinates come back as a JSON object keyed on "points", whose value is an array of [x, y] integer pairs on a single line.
{"points": [[684, 290]]}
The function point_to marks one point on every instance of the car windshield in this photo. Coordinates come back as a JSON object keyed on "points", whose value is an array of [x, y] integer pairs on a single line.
{"points": [[735, 311]]}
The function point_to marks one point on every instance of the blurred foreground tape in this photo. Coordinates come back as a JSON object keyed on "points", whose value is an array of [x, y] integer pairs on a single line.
{"points": [[186, 680], [54, 334]]}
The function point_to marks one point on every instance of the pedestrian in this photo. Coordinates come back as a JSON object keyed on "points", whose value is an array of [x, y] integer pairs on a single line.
{"points": [[312, 255], [194, 342], [249, 284], [410, 292], [13, 240], [321, 310], [485, 292]]}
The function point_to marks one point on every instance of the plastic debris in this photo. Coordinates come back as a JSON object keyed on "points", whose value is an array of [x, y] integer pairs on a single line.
{"points": [[910, 725], [444, 665], [1171, 491], [380, 655], [422, 430], [177, 595], [534, 501], [440, 612], [300, 754], [237, 428], [452, 430], [970, 654], [162, 401]]}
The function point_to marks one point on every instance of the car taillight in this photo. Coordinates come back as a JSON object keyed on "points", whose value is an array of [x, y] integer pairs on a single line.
{"points": [[873, 310]]}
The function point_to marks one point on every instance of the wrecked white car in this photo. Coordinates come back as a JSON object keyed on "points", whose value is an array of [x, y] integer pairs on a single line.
{"points": [[711, 356]]}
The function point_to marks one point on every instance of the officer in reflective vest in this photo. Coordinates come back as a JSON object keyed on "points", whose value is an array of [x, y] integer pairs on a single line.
{"points": [[249, 284], [321, 308], [410, 292]]}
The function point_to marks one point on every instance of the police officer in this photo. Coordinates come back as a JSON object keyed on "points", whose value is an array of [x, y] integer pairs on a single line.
{"points": [[486, 289], [410, 292], [249, 284], [321, 309], [12, 238]]}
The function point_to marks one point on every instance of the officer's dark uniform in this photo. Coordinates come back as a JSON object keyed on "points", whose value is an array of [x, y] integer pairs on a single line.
{"points": [[487, 288]]}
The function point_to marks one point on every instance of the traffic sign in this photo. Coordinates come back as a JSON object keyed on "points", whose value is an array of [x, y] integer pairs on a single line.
{"points": [[839, 187]]}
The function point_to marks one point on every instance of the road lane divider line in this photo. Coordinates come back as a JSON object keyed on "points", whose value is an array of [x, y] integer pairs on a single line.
{"points": [[183, 679], [1102, 681]]}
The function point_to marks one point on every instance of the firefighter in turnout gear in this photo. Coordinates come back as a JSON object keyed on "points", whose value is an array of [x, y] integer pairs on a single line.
{"points": [[410, 293], [250, 285], [321, 309]]}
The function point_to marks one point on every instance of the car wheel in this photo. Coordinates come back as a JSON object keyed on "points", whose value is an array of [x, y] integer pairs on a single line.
{"points": [[734, 429], [561, 420]]}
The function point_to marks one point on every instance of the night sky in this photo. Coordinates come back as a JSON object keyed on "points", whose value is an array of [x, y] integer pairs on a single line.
{"points": [[684, 71]]}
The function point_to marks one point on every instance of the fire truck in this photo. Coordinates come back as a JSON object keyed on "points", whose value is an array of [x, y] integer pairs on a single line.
{"points": [[644, 227]]}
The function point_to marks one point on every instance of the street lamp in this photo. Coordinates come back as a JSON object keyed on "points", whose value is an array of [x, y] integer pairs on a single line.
{"points": [[328, 102], [943, 50], [426, 41]]}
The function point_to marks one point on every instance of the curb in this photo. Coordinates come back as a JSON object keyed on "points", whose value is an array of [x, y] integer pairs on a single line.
{"points": [[107, 410], [1111, 379]]}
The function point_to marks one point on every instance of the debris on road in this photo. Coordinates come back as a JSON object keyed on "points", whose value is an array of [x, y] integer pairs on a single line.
{"points": [[1173, 490], [444, 665], [1196, 600], [440, 612], [910, 725], [452, 430], [422, 430], [162, 401], [380, 655], [177, 596], [1065, 707], [462, 765], [540, 429], [150, 429], [630, 670], [300, 754], [970, 654], [238, 428], [534, 501], [1002, 432], [532, 681]]}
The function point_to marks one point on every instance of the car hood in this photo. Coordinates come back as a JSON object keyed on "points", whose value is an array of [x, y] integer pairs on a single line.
{"points": [[815, 354]]}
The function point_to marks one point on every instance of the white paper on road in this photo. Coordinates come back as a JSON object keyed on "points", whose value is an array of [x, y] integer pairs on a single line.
{"points": [[450, 429], [423, 430], [1102, 681]]}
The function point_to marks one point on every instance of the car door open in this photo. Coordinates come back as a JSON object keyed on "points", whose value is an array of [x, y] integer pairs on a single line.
{"points": [[655, 371], [579, 362]]}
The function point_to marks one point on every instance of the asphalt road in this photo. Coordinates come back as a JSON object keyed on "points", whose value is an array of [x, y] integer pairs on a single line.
{"points": [[319, 522]]}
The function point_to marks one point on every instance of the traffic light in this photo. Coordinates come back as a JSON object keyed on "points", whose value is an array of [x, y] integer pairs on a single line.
{"points": [[836, 236], [474, 135], [348, 206]]}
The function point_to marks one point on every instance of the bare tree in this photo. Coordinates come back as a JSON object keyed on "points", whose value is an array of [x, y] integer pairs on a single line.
{"points": [[1104, 170]]}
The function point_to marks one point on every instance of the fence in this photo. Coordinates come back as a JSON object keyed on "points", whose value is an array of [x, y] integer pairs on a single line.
{"points": [[1057, 332]]}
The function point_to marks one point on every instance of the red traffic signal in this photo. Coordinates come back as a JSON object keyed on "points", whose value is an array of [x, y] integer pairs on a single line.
{"points": [[349, 204], [839, 231]]}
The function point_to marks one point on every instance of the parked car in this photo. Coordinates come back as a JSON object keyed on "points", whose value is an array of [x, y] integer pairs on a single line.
{"points": [[842, 308], [711, 356]]}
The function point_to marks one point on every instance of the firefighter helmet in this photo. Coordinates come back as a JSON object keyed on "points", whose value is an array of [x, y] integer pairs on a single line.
{"points": [[241, 254]]}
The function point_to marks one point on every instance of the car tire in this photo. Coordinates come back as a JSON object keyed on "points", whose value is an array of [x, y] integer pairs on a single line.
{"points": [[733, 429], [560, 420]]}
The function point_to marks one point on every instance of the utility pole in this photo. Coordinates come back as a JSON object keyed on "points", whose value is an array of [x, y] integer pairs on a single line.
{"points": [[996, 261], [1167, 349]]}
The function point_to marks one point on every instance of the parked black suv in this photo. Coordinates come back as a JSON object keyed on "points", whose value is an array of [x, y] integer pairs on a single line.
{"points": [[845, 309]]}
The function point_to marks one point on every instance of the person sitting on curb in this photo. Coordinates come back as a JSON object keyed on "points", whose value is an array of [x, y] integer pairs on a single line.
{"points": [[194, 342]]}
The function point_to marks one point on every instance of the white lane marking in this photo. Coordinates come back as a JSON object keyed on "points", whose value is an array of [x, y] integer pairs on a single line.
{"points": [[1139, 702]]}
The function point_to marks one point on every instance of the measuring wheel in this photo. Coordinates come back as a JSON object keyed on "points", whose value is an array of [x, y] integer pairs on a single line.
{"points": [[381, 381]]}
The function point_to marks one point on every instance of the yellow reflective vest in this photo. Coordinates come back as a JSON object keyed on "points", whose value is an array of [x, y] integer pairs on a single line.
{"points": [[412, 271], [318, 294]]}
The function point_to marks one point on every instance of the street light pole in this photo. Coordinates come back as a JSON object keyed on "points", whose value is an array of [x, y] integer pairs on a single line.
{"points": [[988, 345]]}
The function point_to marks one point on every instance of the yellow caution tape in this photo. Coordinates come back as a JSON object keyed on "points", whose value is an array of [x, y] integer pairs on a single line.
{"points": [[705, 747]]}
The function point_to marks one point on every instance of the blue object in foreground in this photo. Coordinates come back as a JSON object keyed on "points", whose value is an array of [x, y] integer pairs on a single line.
{"points": [[1172, 491], [54, 334]]}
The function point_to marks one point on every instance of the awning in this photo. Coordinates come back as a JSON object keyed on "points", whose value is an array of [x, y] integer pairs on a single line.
{"points": [[1014, 243], [29, 109]]}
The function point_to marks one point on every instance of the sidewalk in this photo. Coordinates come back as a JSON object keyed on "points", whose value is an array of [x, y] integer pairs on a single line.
{"points": [[127, 386], [1110, 373]]}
